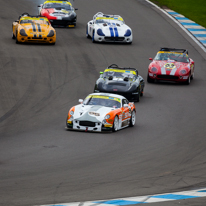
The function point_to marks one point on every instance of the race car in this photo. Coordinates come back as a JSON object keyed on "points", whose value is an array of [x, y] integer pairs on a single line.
{"points": [[59, 13], [171, 64], [101, 112], [122, 81], [33, 29], [108, 28]]}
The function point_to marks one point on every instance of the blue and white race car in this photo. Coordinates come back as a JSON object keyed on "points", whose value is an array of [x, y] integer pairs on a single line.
{"points": [[108, 28]]}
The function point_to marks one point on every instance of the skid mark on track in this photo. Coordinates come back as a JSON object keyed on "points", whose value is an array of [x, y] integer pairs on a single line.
{"points": [[20, 101]]}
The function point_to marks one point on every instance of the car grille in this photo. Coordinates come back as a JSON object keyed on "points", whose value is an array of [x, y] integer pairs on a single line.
{"points": [[167, 77], [37, 38], [61, 22], [116, 84], [114, 38], [87, 123]]}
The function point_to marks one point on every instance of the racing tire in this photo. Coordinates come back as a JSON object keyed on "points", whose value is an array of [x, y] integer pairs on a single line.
{"points": [[93, 41], [13, 37], [141, 93], [132, 119], [87, 33], [149, 80], [17, 42], [188, 80], [115, 124], [192, 76], [137, 96]]}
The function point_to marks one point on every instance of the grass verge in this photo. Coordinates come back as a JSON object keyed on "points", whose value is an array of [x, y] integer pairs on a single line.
{"points": [[194, 10]]}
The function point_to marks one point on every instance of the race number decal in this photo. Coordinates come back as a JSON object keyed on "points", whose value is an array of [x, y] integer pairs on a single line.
{"points": [[169, 67]]}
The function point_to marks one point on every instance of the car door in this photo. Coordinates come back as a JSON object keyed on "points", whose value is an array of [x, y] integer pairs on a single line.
{"points": [[90, 28], [126, 113]]}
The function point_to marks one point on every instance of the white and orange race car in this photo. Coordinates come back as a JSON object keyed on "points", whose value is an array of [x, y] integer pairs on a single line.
{"points": [[102, 112], [33, 29]]}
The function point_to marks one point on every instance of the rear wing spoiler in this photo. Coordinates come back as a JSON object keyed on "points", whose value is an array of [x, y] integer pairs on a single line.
{"points": [[174, 50]]}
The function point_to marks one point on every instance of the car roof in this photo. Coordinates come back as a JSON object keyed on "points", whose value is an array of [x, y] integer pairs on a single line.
{"points": [[108, 95]]}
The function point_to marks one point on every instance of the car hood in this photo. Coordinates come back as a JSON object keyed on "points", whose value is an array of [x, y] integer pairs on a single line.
{"points": [[118, 84], [113, 29], [169, 65], [32, 27], [58, 12], [87, 112]]}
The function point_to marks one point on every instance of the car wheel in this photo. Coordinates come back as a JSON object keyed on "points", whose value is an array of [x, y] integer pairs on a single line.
{"points": [[149, 80], [17, 42], [93, 37], [87, 33], [115, 124], [137, 96], [192, 76], [132, 119], [13, 37], [141, 93], [188, 80]]}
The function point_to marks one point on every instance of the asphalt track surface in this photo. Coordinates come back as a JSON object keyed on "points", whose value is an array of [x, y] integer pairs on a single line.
{"points": [[42, 163]]}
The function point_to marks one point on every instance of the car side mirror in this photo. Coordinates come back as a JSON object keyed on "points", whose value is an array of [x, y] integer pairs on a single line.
{"points": [[80, 101], [126, 105], [90, 22], [150, 59], [101, 72], [76, 9], [192, 62]]}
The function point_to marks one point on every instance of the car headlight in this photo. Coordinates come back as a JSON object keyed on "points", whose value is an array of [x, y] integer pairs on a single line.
{"points": [[71, 112], [104, 121], [153, 69], [51, 33], [107, 116], [100, 32], [183, 71], [71, 118], [23, 33], [128, 32]]}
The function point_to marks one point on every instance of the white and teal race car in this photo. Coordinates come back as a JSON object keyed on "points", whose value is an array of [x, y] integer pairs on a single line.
{"points": [[108, 28]]}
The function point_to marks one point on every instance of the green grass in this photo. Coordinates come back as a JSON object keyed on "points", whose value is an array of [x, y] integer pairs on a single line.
{"points": [[194, 10]]}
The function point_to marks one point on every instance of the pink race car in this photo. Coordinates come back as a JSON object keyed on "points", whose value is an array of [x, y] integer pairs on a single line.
{"points": [[171, 65]]}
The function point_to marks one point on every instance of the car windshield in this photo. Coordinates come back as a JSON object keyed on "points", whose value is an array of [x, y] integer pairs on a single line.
{"points": [[119, 73], [34, 21], [102, 101], [57, 6], [179, 57], [102, 20]]}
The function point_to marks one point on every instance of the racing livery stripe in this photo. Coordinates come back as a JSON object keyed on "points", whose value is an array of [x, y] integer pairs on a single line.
{"points": [[116, 32], [111, 31], [33, 27], [173, 71], [39, 27], [163, 70]]}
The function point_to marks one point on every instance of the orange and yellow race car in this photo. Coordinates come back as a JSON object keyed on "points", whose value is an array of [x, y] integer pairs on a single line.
{"points": [[33, 29], [102, 112]]}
